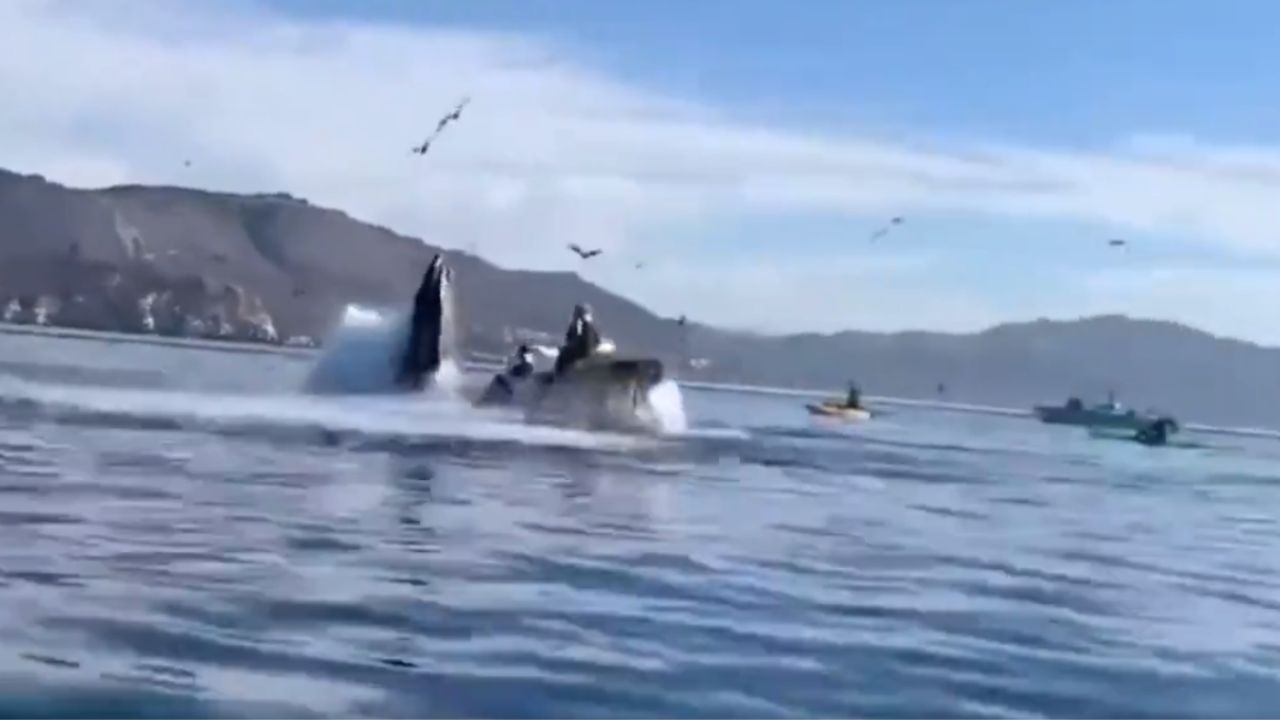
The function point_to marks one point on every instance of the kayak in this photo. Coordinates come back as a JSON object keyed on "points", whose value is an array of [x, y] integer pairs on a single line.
{"points": [[836, 410]]}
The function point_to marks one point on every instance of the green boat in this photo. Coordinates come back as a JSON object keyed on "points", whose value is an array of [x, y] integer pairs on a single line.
{"points": [[1109, 414]]}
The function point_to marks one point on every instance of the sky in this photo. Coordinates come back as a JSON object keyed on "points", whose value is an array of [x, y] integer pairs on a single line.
{"points": [[744, 151]]}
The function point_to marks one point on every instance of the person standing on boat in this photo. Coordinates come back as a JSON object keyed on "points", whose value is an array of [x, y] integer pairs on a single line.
{"points": [[580, 341], [854, 398]]}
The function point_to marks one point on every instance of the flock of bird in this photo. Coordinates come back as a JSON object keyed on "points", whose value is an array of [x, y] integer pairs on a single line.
{"points": [[587, 254]]}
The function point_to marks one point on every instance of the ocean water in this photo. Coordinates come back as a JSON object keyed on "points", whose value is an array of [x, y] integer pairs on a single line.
{"points": [[182, 534]]}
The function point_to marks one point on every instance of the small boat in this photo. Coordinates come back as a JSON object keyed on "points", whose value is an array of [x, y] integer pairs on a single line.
{"points": [[1103, 415], [833, 409]]}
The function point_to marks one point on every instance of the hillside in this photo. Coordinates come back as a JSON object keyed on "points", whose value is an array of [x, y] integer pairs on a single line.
{"points": [[273, 266], [210, 254], [1149, 363]]}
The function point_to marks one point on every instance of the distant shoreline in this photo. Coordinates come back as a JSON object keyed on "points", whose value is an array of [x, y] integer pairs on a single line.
{"points": [[488, 364], [109, 336]]}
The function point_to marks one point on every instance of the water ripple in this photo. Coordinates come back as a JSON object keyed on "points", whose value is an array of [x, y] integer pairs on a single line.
{"points": [[162, 558]]}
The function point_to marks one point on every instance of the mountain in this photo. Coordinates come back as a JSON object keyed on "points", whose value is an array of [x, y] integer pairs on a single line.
{"points": [[271, 266], [275, 254], [1150, 364]]}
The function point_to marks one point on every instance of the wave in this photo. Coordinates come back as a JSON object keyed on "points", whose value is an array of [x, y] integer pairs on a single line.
{"points": [[402, 421], [348, 395]]}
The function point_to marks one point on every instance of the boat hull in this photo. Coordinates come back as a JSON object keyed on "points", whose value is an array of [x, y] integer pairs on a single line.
{"points": [[1091, 418]]}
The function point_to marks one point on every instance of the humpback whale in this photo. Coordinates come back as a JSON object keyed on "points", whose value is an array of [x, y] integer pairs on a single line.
{"points": [[406, 355], [431, 338], [402, 352]]}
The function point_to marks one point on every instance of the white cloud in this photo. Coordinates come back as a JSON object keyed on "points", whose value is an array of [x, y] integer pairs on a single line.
{"points": [[806, 292], [549, 152]]}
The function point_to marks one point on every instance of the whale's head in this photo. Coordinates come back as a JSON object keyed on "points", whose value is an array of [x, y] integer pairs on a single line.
{"points": [[430, 338]]}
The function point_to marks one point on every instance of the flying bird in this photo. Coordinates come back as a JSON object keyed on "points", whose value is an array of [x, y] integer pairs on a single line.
{"points": [[639, 265], [885, 230], [448, 118], [584, 254], [457, 113], [1117, 242]]}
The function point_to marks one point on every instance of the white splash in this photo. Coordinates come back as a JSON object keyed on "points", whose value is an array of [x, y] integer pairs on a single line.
{"points": [[358, 315], [668, 406], [296, 415], [362, 355]]}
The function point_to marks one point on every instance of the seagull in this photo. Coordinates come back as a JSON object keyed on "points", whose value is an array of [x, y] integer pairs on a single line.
{"points": [[584, 254], [885, 230], [457, 113], [454, 115]]}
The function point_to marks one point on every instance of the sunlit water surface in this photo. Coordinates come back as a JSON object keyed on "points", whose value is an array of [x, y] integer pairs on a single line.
{"points": [[181, 533]]}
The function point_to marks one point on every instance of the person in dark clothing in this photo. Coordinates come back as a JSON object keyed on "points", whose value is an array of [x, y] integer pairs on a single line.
{"points": [[502, 388], [580, 340], [854, 398], [522, 363]]}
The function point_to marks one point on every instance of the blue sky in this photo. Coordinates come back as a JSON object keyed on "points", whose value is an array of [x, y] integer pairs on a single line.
{"points": [[744, 149], [1081, 72]]}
